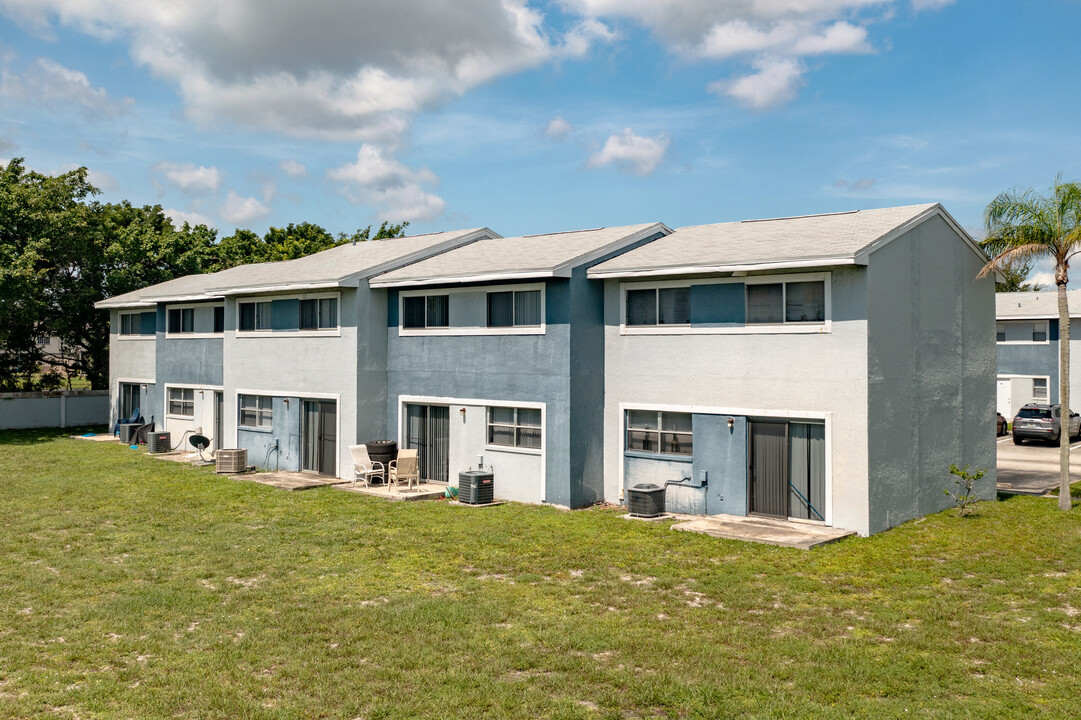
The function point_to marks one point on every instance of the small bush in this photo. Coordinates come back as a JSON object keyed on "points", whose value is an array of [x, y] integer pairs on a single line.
{"points": [[963, 496]]}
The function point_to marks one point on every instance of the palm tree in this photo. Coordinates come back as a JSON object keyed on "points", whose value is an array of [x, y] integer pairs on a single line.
{"points": [[1015, 276], [1024, 226]]}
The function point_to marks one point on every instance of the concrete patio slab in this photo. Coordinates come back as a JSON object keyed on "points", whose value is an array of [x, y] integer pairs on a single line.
{"points": [[98, 437], [764, 530], [394, 493], [289, 480]]}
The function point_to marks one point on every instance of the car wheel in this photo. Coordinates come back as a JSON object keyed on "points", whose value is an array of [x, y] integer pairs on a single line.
{"points": [[1017, 440], [1055, 439]]}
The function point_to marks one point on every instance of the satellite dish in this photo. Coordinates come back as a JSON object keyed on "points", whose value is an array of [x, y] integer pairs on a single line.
{"points": [[200, 443]]}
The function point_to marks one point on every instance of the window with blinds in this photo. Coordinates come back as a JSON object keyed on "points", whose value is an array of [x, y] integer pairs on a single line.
{"points": [[517, 308]]}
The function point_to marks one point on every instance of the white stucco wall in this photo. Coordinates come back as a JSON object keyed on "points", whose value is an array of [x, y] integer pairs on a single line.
{"points": [[131, 359], [296, 365], [519, 475], [759, 375]]}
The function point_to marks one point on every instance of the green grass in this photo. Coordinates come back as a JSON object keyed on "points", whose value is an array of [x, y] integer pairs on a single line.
{"points": [[136, 588]]}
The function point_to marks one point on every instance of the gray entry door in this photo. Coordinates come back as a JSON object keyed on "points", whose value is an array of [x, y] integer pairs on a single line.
{"points": [[219, 409], [427, 430], [769, 469], [320, 436]]}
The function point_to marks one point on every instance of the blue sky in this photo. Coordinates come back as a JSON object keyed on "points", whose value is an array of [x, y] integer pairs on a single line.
{"points": [[532, 117]]}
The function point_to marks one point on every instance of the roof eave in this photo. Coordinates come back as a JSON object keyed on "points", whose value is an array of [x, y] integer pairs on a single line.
{"points": [[613, 246], [261, 289], [465, 279], [715, 269]]}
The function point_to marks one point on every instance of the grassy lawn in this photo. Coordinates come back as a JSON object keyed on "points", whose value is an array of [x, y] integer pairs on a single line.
{"points": [[136, 588]]}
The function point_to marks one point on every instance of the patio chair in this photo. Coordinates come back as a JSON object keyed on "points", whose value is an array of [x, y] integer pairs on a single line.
{"points": [[405, 469], [135, 417], [364, 468]]}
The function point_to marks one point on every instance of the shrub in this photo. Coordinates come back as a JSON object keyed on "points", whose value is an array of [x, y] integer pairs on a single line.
{"points": [[964, 497]]}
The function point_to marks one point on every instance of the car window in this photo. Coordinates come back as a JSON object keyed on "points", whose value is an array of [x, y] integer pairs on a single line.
{"points": [[1034, 413]]}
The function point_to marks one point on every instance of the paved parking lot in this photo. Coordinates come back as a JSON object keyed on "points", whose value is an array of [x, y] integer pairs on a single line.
{"points": [[1033, 466]]}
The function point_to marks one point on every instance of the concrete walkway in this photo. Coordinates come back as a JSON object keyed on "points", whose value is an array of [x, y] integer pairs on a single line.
{"points": [[289, 480], [764, 530]]}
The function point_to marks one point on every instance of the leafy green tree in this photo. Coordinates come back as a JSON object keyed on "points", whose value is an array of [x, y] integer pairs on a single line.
{"points": [[1023, 226], [1015, 274]]}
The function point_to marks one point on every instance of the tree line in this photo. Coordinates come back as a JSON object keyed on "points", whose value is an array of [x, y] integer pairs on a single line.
{"points": [[61, 251]]}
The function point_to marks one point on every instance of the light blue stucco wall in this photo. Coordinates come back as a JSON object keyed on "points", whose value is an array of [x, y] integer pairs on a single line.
{"points": [[1037, 359], [132, 359], [931, 372], [186, 360], [716, 475], [285, 431]]}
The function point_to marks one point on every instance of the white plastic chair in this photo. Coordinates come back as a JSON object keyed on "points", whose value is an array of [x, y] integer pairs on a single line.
{"points": [[364, 468]]}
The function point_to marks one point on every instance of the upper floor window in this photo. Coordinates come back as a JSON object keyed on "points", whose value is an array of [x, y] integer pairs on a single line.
{"points": [[665, 433], [514, 427], [137, 323], [426, 311], [786, 302], [318, 314], [514, 308], [219, 319], [254, 316], [181, 320], [659, 306], [1021, 331]]}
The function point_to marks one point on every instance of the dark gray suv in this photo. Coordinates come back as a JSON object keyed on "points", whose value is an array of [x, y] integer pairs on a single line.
{"points": [[1042, 422]]}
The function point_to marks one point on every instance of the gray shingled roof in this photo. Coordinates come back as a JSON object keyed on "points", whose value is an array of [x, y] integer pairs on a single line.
{"points": [[1035, 305], [530, 256], [338, 266], [836, 238]]}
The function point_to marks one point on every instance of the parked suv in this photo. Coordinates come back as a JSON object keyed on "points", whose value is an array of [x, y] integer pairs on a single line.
{"points": [[1042, 422]]}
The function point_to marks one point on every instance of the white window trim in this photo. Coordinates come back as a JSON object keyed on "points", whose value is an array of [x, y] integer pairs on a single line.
{"points": [[511, 448], [471, 330], [1024, 342], [329, 332], [542, 452], [119, 324], [202, 389], [191, 335], [809, 328], [752, 413], [677, 457]]}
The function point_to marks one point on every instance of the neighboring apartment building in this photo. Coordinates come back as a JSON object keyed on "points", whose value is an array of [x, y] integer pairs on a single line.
{"points": [[281, 358], [824, 368], [1027, 338]]}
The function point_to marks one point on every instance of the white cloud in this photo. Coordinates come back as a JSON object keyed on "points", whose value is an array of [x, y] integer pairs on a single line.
{"points": [[179, 217], [49, 84], [339, 70], [857, 185], [188, 178], [396, 191], [772, 35], [631, 153], [918, 5], [239, 210], [558, 127], [292, 168], [581, 38], [97, 178], [774, 82]]}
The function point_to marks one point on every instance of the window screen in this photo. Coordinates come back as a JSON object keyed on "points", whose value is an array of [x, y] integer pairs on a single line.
{"points": [[642, 307], [262, 316], [674, 306], [309, 314], [805, 301], [765, 303], [127, 325], [438, 311], [328, 313], [666, 433], [527, 307], [413, 312], [514, 427], [247, 316], [500, 309], [1039, 332]]}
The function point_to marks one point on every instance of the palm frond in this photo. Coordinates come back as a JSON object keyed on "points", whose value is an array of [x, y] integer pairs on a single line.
{"points": [[1017, 253]]}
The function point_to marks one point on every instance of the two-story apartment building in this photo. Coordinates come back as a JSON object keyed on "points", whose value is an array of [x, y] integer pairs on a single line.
{"points": [[1027, 338], [496, 349], [824, 368]]}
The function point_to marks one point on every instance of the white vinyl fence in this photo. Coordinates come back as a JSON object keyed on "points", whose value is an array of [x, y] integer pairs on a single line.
{"points": [[66, 408]]}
